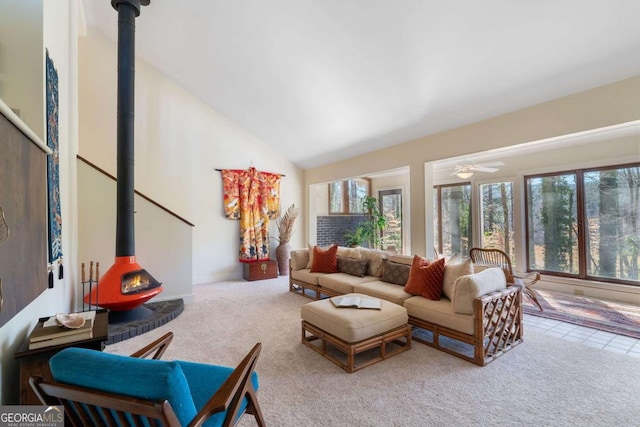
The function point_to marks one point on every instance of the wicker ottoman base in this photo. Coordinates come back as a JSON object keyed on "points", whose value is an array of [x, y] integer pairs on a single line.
{"points": [[343, 333], [389, 344]]}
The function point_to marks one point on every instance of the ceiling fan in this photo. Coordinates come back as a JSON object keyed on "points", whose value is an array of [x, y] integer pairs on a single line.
{"points": [[465, 170]]}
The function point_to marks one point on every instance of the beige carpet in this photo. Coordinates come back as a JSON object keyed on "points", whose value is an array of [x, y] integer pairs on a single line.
{"points": [[545, 381]]}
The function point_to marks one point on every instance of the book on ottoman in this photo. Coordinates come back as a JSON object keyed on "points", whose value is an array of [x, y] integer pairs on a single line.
{"points": [[356, 302]]}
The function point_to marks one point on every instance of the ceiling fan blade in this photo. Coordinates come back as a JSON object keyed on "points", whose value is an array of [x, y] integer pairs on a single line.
{"points": [[489, 164], [484, 169]]}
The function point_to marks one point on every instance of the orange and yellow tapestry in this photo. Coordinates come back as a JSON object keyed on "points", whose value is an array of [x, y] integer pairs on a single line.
{"points": [[253, 197]]}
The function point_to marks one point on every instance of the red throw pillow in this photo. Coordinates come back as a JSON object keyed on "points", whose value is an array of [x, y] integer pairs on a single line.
{"points": [[414, 283], [426, 280], [325, 261]]}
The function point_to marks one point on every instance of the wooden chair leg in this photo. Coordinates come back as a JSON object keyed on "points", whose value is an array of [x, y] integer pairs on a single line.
{"points": [[533, 296], [253, 407]]}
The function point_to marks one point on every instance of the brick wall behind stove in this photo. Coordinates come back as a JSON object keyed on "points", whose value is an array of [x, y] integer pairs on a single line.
{"points": [[332, 228]]}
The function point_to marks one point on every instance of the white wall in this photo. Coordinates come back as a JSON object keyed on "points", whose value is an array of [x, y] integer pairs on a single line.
{"points": [[166, 239], [60, 19], [22, 61], [179, 144]]}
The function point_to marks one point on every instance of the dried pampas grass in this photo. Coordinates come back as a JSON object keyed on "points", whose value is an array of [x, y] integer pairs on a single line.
{"points": [[285, 224]]}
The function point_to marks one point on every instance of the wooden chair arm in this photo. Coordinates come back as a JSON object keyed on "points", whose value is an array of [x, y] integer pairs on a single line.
{"points": [[230, 395], [158, 346], [497, 295], [498, 322], [528, 279]]}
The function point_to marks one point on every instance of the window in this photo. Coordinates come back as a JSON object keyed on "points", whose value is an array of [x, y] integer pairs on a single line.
{"points": [[452, 205], [496, 216], [391, 203], [584, 223], [346, 197]]}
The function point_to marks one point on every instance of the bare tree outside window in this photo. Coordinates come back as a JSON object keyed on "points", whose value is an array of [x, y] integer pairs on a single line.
{"points": [[496, 213], [585, 223], [453, 213]]}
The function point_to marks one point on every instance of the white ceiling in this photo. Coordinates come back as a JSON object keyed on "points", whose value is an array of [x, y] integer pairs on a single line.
{"points": [[326, 80]]}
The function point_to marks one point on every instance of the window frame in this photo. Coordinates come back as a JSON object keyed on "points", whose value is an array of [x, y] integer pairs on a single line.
{"points": [[581, 217], [346, 196], [389, 193]]}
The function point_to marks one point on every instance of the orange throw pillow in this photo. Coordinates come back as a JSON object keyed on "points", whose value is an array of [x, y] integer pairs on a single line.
{"points": [[414, 283], [325, 261], [426, 280]]}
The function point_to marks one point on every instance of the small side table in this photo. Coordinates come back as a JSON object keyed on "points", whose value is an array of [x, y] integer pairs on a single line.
{"points": [[36, 362]]}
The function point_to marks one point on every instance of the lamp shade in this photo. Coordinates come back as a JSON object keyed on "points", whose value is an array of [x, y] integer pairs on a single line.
{"points": [[464, 175]]}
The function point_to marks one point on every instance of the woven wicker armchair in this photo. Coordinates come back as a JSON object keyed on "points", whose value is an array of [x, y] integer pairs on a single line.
{"points": [[498, 258]]}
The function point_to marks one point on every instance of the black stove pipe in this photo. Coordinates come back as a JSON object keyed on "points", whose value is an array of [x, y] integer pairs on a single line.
{"points": [[128, 10]]}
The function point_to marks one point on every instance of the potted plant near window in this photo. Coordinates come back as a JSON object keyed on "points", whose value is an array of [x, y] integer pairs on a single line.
{"points": [[285, 231], [375, 225], [370, 230], [356, 236]]}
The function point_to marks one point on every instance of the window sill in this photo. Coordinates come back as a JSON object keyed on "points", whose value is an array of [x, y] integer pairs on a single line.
{"points": [[591, 288]]}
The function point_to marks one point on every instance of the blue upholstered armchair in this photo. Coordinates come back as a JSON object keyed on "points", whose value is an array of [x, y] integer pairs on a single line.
{"points": [[99, 388]]}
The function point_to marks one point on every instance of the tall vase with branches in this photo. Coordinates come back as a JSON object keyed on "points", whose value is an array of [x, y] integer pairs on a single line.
{"points": [[285, 231]]}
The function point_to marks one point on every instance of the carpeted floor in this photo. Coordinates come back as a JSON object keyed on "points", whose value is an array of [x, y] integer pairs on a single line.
{"points": [[618, 318], [546, 381]]}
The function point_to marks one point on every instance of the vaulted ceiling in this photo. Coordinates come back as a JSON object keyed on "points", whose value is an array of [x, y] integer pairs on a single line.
{"points": [[326, 80]]}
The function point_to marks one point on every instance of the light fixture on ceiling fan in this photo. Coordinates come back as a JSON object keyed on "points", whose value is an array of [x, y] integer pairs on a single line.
{"points": [[465, 170]]}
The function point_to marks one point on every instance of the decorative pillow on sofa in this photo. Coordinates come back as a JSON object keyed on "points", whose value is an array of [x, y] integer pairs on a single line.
{"points": [[401, 259], [299, 259], [354, 267], [325, 261], [310, 246], [451, 272], [472, 286], [376, 258], [396, 273], [426, 280], [349, 252]]}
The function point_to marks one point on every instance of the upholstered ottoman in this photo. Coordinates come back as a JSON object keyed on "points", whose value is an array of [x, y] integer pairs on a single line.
{"points": [[327, 328]]}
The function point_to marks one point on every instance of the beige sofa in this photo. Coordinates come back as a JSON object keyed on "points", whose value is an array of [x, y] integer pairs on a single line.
{"points": [[477, 311]]}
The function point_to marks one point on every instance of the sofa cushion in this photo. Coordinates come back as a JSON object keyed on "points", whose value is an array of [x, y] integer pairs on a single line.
{"points": [[305, 275], [354, 267], [349, 252], [395, 273], [426, 280], [451, 272], [299, 259], [471, 286], [383, 290], [440, 313], [376, 258], [353, 325], [341, 282], [325, 261]]}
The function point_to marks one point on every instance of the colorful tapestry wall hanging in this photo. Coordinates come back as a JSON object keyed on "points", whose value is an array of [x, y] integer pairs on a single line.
{"points": [[253, 197], [53, 172]]}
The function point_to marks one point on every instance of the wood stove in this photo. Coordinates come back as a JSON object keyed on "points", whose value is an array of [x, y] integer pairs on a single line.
{"points": [[125, 285]]}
